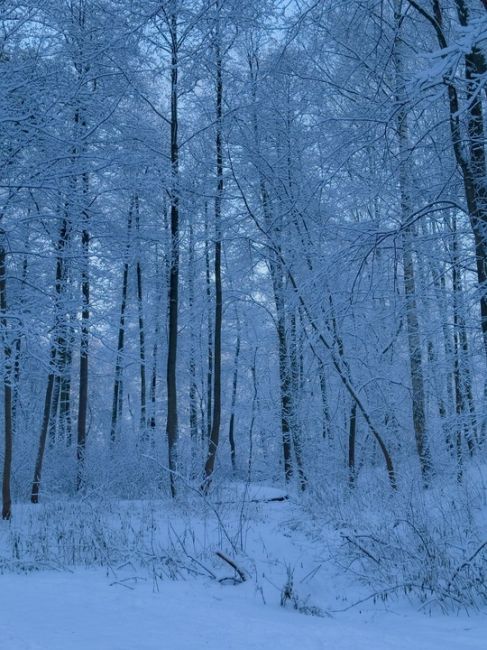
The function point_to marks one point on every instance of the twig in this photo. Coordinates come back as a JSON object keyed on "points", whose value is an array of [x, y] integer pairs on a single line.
{"points": [[466, 563], [361, 548], [229, 561]]}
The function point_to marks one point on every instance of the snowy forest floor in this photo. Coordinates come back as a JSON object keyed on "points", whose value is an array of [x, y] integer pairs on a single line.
{"points": [[82, 611], [145, 576]]}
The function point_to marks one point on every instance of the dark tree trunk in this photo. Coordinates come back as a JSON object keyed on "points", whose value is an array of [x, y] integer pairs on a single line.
{"points": [[65, 417], [154, 367], [173, 297], [58, 346], [36, 482], [284, 377], [231, 427], [209, 371], [193, 389], [140, 315], [117, 398], [464, 405], [215, 425], [472, 166], [84, 346], [295, 370], [7, 386], [17, 350], [352, 434], [56, 394]]}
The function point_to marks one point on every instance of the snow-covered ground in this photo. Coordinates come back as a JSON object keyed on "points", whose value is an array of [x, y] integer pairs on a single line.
{"points": [[84, 611], [127, 605]]}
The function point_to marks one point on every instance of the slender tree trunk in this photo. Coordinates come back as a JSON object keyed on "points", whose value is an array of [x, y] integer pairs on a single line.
{"points": [[193, 388], [465, 408], [325, 408], [215, 425], [117, 399], [155, 347], [414, 338], [140, 315], [231, 427], [84, 343], [17, 352], [7, 385], [295, 361], [209, 372], [61, 324], [65, 417], [153, 390], [352, 434], [173, 297], [58, 345], [284, 376], [277, 277], [36, 482], [253, 371], [56, 394], [445, 406]]}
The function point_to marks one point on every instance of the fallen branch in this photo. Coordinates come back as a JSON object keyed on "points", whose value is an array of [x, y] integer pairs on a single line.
{"points": [[284, 497], [230, 562]]}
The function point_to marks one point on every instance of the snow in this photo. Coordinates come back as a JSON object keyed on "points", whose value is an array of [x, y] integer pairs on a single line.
{"points": [[85, 611], [127, 606]]}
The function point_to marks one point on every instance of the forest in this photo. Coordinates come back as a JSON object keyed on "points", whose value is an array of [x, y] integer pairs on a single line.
{"points": [[243, 320]]}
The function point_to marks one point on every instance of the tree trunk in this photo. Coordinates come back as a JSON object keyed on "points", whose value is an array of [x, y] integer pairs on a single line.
{"points": [[84, 344], [295, 370], [193, 388], [140, 315], [231, 427], [56, 394], [7, 386], [413, 333], [325, 408], [117, 399], [472, 167], [284, 377], [17, 351], [209, 371], [215, 425], [352, 434], [58, 345], [65, 418], [173, 296], [36, 482], [465, 409]]}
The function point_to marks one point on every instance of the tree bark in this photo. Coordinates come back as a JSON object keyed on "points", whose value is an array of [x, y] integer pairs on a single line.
{"points": [[58, 345], [325, 408], [7, 385], [472, 167], [141, 323], [352, 434], [193, 388], [413, 333], [216, 420], [231, 426], [209, 369], [84, 343], [117, 399], [173, 296]]}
